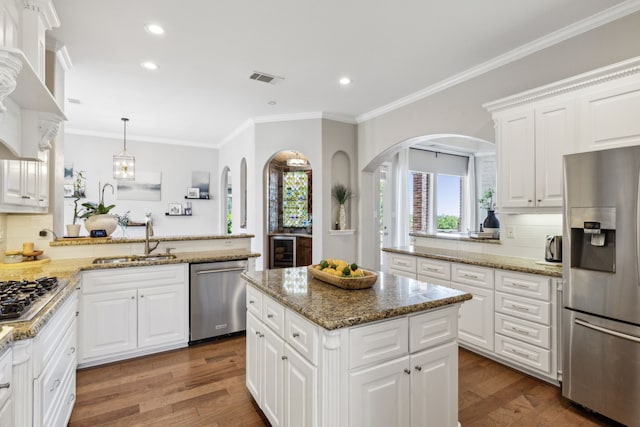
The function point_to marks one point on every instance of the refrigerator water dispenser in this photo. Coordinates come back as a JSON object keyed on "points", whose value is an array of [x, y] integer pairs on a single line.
{"points": [[593, 236]]}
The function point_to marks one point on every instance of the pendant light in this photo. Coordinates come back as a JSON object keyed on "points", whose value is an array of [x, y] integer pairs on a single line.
{"points": [[296, 162], [124, 164]]}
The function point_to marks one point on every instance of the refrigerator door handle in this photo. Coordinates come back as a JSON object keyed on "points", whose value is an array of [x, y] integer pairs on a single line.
{"points": [[607, 331], [638, 230]]}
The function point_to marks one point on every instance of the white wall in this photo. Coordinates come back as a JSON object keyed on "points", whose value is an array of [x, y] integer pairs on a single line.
{"points": [[94, 155]]}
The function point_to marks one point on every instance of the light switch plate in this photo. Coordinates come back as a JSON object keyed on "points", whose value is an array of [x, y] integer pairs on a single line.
{"points": [[511, 232]]}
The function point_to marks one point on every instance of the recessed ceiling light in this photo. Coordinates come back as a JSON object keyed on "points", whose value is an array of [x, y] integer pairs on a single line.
{"points": [[154, 29], [272, 102], [345, 81], [149, 65]]}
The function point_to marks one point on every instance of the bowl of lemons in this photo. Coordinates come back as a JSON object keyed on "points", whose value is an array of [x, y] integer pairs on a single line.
{"points": [[342, 274]]}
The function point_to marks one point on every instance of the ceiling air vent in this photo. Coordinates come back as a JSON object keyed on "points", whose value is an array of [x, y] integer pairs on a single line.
{"points": [[264, 77]]}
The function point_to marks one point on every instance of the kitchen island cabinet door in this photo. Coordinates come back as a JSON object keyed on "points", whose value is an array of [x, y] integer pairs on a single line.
{"points": [[431, 406], [254, 355], [300, 386], [379, 395], [108, 324], [272, 380], [476, 325], [162, 313]]}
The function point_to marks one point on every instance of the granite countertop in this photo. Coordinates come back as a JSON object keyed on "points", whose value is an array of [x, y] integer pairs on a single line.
{"points": [[332, 308], [85, 240], [524, 265], [67, 270]]}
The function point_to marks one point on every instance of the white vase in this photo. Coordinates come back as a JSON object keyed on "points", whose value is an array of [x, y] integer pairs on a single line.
{"points": [[342, 218], [73, 230], [104, 222]]}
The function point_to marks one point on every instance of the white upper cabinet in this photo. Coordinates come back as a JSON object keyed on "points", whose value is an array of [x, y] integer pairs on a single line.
{"points": [[535, 129]]}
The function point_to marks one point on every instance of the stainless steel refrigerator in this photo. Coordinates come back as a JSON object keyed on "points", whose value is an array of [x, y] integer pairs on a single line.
{"points": [[601, 296]]}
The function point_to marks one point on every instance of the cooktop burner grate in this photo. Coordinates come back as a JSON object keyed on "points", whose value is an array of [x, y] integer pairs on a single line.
{"points": [[17, 296]]}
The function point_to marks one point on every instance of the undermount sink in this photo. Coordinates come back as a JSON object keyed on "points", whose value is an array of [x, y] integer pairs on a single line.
{"points": [[133, 258]]}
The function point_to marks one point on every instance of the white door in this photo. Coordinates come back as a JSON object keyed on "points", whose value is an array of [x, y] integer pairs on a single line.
{"points": [[299, 390], [434, 387], [555, 137], [272, 392], [12, 184], [31, 183], [253, 356], [162, 316], [516, 150], [108, 324], [476, 323], [379, 396]]}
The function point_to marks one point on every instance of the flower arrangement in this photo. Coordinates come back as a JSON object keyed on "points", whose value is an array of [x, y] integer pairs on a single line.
{"points": [[340, 193], [486, 201], [92, 208]]}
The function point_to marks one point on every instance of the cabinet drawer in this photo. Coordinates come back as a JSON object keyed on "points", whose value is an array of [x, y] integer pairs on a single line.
{"points": [[402, 262], [378, 342], [524, 354], [46, 342], [254, 301], [524, 308], [434, 268], [302, 335], [472, 275], [133, 277], [433, 328], [6, 375], [526, 285], [53, 381], [530, 332], [273, 315]]}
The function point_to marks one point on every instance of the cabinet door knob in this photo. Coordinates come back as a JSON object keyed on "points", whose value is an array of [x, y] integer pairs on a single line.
{"points": [[257, 332], [270, 316], [296, 335], [261, 335], [141, 296], [284, 357], [539, 200], [407, 371], [418, 368], [133, 297], [529, 200], [5, 385], [251, 301]]}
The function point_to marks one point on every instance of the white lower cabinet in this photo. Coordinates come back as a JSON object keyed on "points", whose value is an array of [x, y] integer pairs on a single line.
{"points": [[397, 372], [6, 390], [133, 311]]}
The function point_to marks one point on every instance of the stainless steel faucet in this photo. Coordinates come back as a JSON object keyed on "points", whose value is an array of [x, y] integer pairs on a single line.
{"points": [[148, 232]]}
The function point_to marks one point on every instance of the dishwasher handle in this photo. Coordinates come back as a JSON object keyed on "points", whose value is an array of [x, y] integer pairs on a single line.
{"points": [[221, 270]]}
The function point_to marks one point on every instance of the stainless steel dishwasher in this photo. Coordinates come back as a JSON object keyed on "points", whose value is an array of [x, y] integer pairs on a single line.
{"points": [[216, 299]]}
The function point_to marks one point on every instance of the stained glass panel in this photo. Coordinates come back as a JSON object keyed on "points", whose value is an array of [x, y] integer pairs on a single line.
{"points": [[295, 194]]}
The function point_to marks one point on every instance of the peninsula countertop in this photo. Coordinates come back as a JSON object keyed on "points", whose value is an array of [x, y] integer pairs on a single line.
{"points": [[523, 265], [332, 308]]}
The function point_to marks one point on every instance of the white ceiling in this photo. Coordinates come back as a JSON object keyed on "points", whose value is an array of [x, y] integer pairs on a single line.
{"points": [[201, 93]]}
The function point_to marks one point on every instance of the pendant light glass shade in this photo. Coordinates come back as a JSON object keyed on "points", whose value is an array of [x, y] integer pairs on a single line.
{"points": [[124, 164], [296, 161]]}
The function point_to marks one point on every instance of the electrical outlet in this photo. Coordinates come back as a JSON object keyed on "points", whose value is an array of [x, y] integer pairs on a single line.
{"points": [[43, 235], [511, 232]]}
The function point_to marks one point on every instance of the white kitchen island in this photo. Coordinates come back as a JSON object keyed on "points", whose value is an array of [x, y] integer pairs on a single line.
{"points": [[318, 355]]}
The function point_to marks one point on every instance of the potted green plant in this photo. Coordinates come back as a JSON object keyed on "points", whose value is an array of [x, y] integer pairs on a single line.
{"points": [[96, 215], [491, 224], [79, 182], [341, 193]]}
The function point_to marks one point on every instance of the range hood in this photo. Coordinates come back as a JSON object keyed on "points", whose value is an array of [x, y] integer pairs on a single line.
{"points": [[29, 115]]}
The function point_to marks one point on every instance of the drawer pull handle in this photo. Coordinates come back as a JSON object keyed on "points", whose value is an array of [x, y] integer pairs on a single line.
{"points": [[432, 269], [407, 371], [520, 331], [270, 316], [284, 357], [71, 399], [520, 308], [261, 335], [257, 332], [469, 276], [518, 285], [296, 335], [519, 353], [56, 384], [5, 385], [71, 351], [251, 302], [403, 263], [418, 368]]}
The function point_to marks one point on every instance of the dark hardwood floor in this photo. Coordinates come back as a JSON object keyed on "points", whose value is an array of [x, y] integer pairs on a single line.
{"points": [[204, 385]]}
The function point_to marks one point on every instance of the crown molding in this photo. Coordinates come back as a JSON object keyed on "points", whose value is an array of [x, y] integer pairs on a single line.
{"points": [[47, 11], [591, 78], [606, 16], [152, 139]]}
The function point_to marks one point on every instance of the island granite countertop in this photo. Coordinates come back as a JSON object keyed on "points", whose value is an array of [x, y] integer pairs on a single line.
{"points": [[523, 265], [332, 308]]}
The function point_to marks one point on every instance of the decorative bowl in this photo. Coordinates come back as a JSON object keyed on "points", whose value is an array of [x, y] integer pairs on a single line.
{"points": [[367, 281]]}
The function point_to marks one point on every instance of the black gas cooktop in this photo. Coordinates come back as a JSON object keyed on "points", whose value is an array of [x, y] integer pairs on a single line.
{"points": [[18, 297]]}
